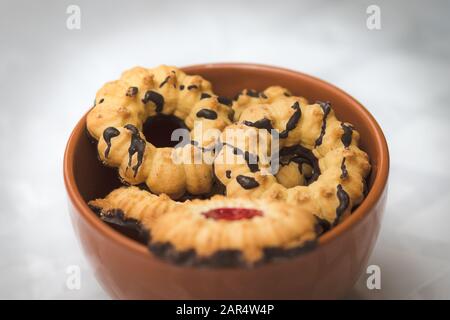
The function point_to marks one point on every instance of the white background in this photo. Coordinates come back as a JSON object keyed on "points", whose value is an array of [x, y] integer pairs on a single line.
{"points": [[49, 76]]}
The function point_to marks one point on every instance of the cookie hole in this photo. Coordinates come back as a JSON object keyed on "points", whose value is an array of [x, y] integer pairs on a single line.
{"points": [[158, 130]]}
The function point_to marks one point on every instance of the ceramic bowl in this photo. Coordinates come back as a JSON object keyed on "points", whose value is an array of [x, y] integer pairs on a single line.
{"points": [[127, 270]]}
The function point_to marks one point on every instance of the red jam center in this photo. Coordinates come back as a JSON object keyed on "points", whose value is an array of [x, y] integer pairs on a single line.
{"points": [[232, 213]]}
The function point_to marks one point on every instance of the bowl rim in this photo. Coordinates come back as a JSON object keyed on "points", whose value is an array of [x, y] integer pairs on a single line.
{"points": [[363, 210]]}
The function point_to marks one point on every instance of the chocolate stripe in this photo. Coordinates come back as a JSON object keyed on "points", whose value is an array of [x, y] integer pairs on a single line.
{"points": [[225, 101], [347, 136], [326, 108], [263, 123], [132, 91], [344, 173], [344, 201], [108, 134], [247, 182], [207, 114], [156, 98], [137, 146], [293, 120]]}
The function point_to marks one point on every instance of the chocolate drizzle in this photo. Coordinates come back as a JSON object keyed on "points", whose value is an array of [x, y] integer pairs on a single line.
{"points": [[205, 96], [182, 87], [225, 101], [263, 123], [108, 134], [132, 91], [326, 108], [164, 82], [293, 120], [156, 98], [347, 136], [344, 201], [251, 159], [322, 224], [299, 154], [300, 161], [252, 93], [207, 114], [275, 253], [247, 182], [130, 227], [101, 101], [192, 86], [137, 145], [344, 174], [228, 174]]}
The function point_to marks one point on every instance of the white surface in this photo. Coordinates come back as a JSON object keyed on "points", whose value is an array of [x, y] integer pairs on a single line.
{"points": [[49, 75]]}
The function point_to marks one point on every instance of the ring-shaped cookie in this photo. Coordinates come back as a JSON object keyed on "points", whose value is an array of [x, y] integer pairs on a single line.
{"points": [[123, 106], [304, 130], [216, 232]]}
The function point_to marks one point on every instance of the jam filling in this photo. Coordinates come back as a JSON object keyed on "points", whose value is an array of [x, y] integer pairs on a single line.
{"points": [[232, 213]]}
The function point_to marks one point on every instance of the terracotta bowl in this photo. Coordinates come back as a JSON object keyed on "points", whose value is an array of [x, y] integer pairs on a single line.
{"points": [[127, 270]]}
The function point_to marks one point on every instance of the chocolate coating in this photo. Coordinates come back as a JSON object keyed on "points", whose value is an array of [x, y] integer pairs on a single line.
{"points": [[296, 153], [263, 123], [137, 145], [323, 224], [132, 91], [347, 136], [129, 227], [344, 174], [293, 120], [344, 201], [207, 114], [164, 82], [326, 107], [156, 98], [275, 253], [253, 93], [300, 161], [225, 101], [247, 182], [108, 134]]}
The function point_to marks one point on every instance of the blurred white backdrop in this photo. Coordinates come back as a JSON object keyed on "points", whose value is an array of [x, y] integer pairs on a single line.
{"points": [[49, 75]]}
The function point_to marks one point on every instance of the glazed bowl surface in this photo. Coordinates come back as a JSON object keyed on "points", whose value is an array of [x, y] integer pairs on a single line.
{"points": [[127, 270]]}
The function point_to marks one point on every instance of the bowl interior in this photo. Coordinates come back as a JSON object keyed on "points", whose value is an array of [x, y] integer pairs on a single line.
{"points": [[93, 180]]}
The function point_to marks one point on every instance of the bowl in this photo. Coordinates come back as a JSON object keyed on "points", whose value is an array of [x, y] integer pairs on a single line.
{"points": [[127, 270]]}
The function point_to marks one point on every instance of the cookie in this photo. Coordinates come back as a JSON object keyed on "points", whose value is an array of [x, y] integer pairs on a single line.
{"points": [[219, 231], [322, 169], [121, 108]]}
